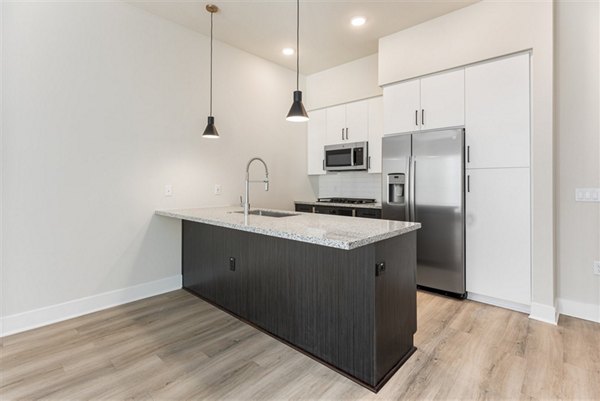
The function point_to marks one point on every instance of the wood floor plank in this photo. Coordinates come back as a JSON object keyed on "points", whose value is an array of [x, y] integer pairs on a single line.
{"points": [[176, 346], [544, 354]]}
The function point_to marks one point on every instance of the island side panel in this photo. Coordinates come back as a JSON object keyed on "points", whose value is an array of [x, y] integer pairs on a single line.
{"points": [[206, 253], [396, 302]]}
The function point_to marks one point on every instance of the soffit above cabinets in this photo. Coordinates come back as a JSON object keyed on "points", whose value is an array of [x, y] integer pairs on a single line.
{"points": [[327, 38]]}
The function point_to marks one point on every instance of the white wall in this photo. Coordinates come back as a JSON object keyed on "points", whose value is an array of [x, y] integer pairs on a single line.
{"points": [[485, 30], [577, 54], [104, 104], [345, 83]]}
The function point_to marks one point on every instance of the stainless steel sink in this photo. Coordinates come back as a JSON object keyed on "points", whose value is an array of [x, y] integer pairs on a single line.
{"points": [[269, 213]]}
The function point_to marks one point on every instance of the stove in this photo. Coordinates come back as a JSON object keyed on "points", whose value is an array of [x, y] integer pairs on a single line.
{"points": [[351, 201]]}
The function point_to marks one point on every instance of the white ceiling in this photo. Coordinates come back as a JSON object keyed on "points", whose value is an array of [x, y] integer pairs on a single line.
{"points": [[327, 38]]}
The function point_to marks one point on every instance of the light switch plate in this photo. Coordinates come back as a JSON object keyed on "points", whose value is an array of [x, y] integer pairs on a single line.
{"points": [[596, 267], [587, 194], [217, 189], [168, 190]]}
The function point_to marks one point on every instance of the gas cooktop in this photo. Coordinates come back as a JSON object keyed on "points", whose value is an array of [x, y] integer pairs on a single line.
{"points": [[354, 201]]}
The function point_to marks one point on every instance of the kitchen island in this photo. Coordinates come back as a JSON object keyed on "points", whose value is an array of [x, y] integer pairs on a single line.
{"points": [[340, 289]]}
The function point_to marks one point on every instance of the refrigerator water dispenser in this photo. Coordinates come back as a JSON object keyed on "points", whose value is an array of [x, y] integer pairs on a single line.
{"points": [[396, 190]]}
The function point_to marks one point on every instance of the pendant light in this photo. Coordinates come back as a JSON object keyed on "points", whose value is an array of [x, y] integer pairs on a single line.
{"points": [[211, 131], [297, 112]]}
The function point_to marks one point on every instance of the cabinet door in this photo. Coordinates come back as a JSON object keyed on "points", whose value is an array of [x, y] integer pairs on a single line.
{"points": [[497, 113], [498, 234], [357, 121], [317, 131], [375, 133], [336, 125], [300, 207], [368, 213], [443, 100], [401, 107]]}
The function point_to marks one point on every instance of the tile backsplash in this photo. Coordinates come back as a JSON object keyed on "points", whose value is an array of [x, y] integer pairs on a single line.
{"points": [[351, 184]]}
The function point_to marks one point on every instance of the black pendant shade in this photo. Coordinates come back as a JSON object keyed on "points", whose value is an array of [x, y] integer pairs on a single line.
{"points": [[211, 131], [297, 112]]}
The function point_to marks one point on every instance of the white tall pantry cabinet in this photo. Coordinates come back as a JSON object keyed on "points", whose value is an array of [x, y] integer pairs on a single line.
{"points": [[497, 113], [498, 215]]}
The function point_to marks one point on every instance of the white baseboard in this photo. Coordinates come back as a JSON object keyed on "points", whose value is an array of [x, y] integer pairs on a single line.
{"points": [[484, 299], [55, 313], [544, 313], [579, 310]]}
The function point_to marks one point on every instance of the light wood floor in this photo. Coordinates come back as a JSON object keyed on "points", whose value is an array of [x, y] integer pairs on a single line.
{"points": [[175, 346]]}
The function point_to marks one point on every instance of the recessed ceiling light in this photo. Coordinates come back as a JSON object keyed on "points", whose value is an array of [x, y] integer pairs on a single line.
{"points": [[288, 51], [358, 21]]}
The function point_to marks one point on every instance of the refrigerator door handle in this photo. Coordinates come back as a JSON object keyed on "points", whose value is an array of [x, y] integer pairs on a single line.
{"points": [[408, 189], [412, 197]]}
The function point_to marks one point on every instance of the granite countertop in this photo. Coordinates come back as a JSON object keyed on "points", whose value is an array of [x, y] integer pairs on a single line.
{"points": [[376, 205], [340, 232]]}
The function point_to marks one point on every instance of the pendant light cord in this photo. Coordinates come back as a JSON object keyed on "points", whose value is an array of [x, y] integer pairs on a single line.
{"points": [[297, 44], [211, 61]]}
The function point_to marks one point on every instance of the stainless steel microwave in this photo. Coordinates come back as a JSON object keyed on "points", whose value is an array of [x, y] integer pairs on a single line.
{"points": [[346, 156]]}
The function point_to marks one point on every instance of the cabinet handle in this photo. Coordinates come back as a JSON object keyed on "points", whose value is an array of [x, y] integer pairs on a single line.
{"points": [[342, 134], [422, 116], [468, 154], [346, 133], [369, 163], [417, 118], [323, 164], [468, 183]]}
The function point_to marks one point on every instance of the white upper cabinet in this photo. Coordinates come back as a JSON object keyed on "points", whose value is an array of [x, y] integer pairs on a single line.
{"points": [[348, 123], [357, 121], [436, 101], [497, 113], [375, 133], [336, 124], [401, 104], [317, 131], [443, 100]]}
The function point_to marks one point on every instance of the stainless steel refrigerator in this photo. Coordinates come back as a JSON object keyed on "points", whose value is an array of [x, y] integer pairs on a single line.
{"points": [[423, 181]]}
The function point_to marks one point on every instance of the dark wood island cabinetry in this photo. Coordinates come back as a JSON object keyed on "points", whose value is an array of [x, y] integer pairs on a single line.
{"points": [[354, 310]]}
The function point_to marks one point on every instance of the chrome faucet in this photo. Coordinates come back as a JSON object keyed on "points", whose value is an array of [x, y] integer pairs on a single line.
{"points": [[265, 181]]}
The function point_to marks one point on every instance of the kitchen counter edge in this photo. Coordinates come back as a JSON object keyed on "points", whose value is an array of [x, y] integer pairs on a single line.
{"points": [[269, 226]]}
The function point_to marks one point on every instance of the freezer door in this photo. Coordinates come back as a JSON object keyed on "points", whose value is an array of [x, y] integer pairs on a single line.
{"points": [[438, 173], [396, 152]]}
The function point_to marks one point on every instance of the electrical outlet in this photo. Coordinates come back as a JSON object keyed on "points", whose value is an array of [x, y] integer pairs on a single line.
{"points": [[596, 267], [168, 190], [217, 189]]}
